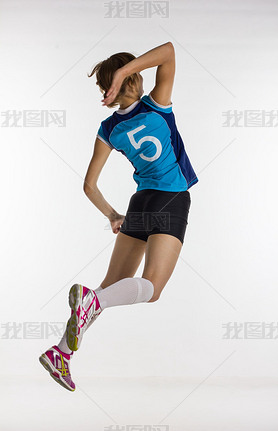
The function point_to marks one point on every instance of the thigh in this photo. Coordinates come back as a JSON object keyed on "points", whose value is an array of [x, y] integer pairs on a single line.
{"points": [[125, 259], [161, 256]]}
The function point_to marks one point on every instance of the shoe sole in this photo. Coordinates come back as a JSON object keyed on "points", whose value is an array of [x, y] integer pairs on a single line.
{"points": [[75, 300], [46, 363]]}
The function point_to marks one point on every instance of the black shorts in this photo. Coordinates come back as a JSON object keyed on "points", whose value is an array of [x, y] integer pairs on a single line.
{"points": [[153, 211]]}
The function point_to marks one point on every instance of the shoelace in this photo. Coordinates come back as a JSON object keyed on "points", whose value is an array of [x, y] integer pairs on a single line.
{"points": [[63, 369]]}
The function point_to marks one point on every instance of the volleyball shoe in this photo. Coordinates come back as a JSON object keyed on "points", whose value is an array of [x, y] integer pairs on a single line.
{"points": [[57, 364], [85, 308]]}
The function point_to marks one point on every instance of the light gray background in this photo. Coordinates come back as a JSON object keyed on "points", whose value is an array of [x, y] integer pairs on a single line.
{"points": [[165, 362]]}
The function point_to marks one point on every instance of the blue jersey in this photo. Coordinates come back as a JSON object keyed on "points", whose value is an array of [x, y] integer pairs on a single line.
{"points": [[146, 133]]}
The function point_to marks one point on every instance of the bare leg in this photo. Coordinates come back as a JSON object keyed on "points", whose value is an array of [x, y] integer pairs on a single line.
{"points": [[125, 259], [162, 253]]}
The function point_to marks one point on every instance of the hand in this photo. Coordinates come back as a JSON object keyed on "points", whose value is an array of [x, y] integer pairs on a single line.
{"points": [[117, 81], [116, 221]]}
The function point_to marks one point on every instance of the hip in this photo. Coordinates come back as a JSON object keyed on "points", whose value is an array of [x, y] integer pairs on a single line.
{"points": [[152, 200]]}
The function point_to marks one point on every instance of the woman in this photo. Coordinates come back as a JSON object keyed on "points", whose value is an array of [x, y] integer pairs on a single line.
{"points": [[144, 130]]}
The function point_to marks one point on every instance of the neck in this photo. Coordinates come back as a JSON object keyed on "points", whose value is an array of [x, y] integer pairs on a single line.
{"points": [[127, 101]]}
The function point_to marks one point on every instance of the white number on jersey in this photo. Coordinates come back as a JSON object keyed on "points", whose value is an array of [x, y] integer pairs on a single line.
{"points": [[138, 144]]}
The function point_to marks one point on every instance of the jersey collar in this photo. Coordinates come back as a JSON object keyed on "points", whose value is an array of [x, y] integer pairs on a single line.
{"points": [[129, 108]]}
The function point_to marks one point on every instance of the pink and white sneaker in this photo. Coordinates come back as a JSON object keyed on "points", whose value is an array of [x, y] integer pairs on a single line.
{"points": [[57, 363], [85, 309]]}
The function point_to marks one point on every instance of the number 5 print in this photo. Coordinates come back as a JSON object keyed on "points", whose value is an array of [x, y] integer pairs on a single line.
{"points": [[138, 144]]}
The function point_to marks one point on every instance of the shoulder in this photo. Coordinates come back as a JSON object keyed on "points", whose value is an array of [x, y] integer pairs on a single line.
{"points": [[149, 100], [107, 120]]}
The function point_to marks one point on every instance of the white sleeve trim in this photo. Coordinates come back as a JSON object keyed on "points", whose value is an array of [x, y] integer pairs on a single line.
{"points": [[103, 140], [158, 104]]}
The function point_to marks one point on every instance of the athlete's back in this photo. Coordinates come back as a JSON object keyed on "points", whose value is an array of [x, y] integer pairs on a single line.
{"points": [[143, 128], [146, 133]]}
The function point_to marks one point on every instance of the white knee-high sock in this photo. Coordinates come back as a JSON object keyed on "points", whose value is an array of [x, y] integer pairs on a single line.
{"points": [[123, 292], [63, 345], [99, 289], [126, 291]]}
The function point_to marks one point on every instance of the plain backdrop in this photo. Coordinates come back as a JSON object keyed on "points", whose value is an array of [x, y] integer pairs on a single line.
{"points": [[137, 363]]}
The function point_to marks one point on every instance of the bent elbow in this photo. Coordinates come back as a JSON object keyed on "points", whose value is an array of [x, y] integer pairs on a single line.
{"points": [[171, 46], [89, 188], [171, 51]]}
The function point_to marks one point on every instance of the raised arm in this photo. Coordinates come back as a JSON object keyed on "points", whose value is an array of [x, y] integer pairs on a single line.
{"points": [[163, 56]]}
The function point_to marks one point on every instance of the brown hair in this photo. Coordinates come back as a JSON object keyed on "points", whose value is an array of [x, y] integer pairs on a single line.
{"points": [[105, 70]]}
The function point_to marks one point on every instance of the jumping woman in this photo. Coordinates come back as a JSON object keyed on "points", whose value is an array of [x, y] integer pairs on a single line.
{"points": [[144, 130]]}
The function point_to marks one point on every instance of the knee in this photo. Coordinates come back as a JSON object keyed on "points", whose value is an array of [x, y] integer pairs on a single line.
{"points": [[155, 297], [156, 290]]}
